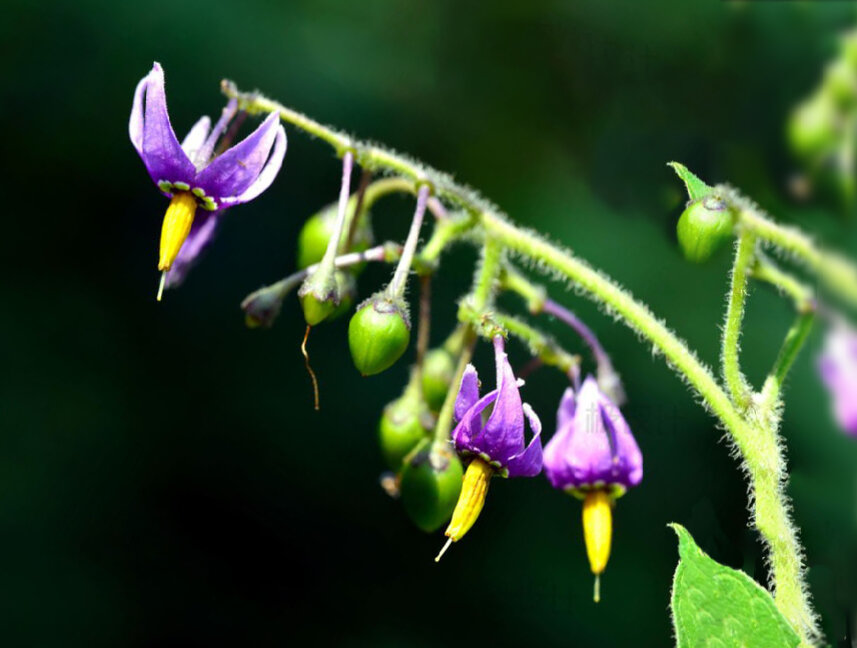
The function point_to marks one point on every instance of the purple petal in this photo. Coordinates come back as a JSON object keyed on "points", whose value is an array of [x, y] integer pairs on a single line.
{"points": [[470, 425], [269, 172], [195, 137], [135, 123], [580, 453], [201, 234], [838, 369], [565, 413], [158, 146], [529, 462], [503, 434], [468, 393], [627, 466], [234, 172]]}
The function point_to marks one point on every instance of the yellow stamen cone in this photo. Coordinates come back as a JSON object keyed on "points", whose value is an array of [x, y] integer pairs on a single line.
{"points": [[474, 488], [597, 532], [176, 227]]}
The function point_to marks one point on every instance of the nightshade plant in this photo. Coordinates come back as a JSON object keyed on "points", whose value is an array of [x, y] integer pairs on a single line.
{"points": [[708, 600]]}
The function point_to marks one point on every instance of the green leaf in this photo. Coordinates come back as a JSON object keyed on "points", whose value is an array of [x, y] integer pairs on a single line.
{"points": [[719, 607], [696, 188]]}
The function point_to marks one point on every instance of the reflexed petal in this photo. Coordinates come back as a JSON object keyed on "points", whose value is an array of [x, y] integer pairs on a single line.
{"points": [[468, 393], [201, 234], [266, 177], [196, 137], [470, 425], [160, 149], [232, 173], [135, 123], [529, 462]]}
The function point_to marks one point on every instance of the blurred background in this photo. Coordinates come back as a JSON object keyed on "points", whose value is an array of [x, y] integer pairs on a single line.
{"points": [[164, 479]]}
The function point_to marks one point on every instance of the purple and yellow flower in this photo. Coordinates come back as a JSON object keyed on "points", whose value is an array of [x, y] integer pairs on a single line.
{"points": [[497, 447], [838, 368], [594, 457], [193, 177]]}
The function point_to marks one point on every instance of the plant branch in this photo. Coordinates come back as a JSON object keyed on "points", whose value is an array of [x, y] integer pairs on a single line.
{"points": [[745, 250]]}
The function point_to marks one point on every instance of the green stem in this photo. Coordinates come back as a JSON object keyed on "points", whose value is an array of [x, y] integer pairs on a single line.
{"points": [[487, 274], [396, 287], [792, 345], [766, 270], [837, 273], [759, 447], [745, 250], [541, 345], [444, 418]]}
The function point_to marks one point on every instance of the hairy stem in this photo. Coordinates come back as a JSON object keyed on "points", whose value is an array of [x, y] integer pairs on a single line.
{"points": [[766, 270], [745, 250], [837, 273], [792, 345], [759, 448]]}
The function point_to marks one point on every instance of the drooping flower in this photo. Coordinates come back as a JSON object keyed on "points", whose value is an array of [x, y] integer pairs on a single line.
{"points": [[193, 177], [498, 447], [838, 368], [594, 457]]}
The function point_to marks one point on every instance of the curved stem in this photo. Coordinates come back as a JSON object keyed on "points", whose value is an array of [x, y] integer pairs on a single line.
{"points": [[838, 274], [740, 390], [768, 271], [792, 345], [759, 446], [344, 193], [397, 285]]}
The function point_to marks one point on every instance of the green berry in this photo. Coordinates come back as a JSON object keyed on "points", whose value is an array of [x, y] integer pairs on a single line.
{"points": [[438, 372], [703, 227], [405, 422], [378, 334], [812, 126], [315, 234], [431, 483]]}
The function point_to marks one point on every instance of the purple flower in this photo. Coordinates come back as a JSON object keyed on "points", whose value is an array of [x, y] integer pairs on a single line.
{"points": [[192, 176], [838, 368], [500, 442], [593, 448]]}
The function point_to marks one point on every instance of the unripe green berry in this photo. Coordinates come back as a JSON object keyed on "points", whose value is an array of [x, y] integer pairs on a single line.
{"points": [[812, 126], [431, 483], [405, 422], [703, 227], [840, 81], [378, 334], [346, 289], [438, 372], [315, 234]]}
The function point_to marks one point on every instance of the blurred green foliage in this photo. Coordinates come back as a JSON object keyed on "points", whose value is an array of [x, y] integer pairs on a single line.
{"points": [[164, 479]]}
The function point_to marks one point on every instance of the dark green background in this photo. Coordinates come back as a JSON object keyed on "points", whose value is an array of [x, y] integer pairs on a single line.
{"points": [[163, 478]]}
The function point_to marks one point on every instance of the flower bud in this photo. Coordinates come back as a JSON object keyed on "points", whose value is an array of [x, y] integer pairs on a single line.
{"points": [[438, 373], [431, 483], [262, 307], [315, 234], [405, 422], [703, 227], [378, 334]]}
